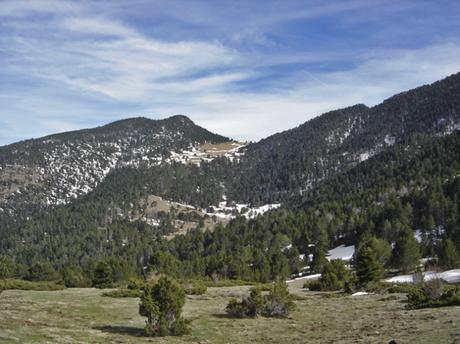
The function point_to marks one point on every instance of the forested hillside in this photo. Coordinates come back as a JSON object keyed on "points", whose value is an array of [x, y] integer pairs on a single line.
{"points": [[294, 161], [76, 198]]}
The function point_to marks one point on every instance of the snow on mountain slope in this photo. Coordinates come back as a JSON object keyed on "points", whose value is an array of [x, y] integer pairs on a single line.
{"points": [[66, 166]]}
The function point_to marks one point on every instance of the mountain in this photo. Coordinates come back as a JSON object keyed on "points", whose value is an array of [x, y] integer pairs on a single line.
{"points": [[126, 189], [55, 169], [294, 161]]}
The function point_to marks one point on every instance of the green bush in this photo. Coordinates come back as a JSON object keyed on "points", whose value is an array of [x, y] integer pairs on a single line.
{"points": [[73, 277], [236, 309], [120, 293], [335, 276], [135, 283], [426, 297], [278, 303], [195, 287], [7, 267], [250, 306], [42, 272], [162, 304], [30, 285], [312, 285]]}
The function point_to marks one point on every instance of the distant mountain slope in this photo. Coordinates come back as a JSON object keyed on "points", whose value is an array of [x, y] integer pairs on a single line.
{"points": [[89, 183], [294, 161], [58, 168]]}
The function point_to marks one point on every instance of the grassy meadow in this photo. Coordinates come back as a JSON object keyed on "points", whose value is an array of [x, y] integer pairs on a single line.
{"points": [[84, 316]]}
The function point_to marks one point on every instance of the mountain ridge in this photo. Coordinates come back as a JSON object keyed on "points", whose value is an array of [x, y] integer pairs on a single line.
{"points": [[313, 170]]}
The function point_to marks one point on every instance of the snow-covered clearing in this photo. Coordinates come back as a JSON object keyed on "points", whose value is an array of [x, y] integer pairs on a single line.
{"points": [[450, 276], [224, 211], [341, 252], [309, 277]]}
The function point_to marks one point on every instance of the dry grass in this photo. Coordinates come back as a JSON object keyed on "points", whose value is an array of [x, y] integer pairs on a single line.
{"points": [[83, 316]]}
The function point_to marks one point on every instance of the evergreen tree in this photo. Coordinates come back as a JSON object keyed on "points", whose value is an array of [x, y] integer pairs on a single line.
{"points": [[406, 252], [103, 275], [279, 302], [369, 267], [7, 267], [319, 255], [42, 272], [335, 276], [162, 304], [449, 257]]}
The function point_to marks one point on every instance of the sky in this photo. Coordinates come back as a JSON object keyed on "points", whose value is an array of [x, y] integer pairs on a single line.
{"points": [[244, 69]]}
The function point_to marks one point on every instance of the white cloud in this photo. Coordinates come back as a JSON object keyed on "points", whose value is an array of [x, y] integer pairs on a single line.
{"points": [[92, 59], [379, 76]]}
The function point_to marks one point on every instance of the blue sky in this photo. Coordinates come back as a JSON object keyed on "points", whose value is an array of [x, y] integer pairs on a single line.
{"points": [[246, 69]]}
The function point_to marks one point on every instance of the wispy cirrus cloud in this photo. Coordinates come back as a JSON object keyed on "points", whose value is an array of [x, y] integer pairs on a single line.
{"points": [[246, 69]]}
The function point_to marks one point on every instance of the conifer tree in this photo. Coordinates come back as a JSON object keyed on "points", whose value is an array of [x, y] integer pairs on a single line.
{"points": [[406, 252], [449, 257], [319, 255], [368, 266], [162, 304], [6, 267], [103, 275]]}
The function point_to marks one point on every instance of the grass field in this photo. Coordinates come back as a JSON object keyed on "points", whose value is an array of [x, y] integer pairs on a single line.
{"points": [[84, 316]]}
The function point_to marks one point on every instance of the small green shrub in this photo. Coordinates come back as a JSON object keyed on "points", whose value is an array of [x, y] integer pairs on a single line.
{"points": [[335, 276], [73, 277], [429, 295], [195, 287], [121, 293], [135, 283], [312, 285], [278, 303], [29, 285], [162, 304], [250, 306], [236, 309]]}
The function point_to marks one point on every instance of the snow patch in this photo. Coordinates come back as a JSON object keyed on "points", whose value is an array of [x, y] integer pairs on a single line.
{"points": [[309, 277], [450, 276], [341, 252]]}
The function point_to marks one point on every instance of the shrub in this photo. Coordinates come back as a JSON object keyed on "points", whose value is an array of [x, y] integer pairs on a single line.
{"points": [[195, 288], [42, 272], [73, 277], [120, 293], [135, 283], [250, 306], [335, 276], [162, 304], [7, 267], [29, 285], [255, 302], [430, 295], [278, 302], [313, 285], [236, 309]]}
